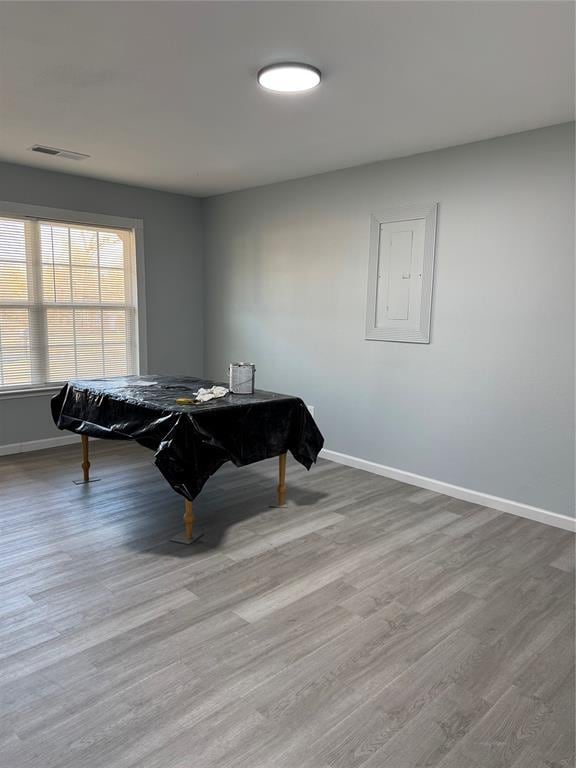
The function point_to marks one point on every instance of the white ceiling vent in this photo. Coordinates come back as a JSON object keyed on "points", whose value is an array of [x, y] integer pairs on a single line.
{"points": [[65, 153]]}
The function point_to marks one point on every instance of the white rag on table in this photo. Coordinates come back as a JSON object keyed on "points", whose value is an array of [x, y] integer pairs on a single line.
{"points": [[203, 395]]}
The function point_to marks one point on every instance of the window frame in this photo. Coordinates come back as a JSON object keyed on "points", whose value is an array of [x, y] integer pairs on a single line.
{"points": [[136, 226]]}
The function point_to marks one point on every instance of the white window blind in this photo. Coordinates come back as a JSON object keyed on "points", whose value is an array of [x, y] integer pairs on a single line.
{"points": [[67, 302]]}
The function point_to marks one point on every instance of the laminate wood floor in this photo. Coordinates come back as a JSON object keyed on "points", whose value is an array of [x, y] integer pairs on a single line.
{"points": [[367, 624]]}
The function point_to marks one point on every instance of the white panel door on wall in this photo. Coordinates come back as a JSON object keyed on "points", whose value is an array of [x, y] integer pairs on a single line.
{"points": [[400, 264], [400, 274]]}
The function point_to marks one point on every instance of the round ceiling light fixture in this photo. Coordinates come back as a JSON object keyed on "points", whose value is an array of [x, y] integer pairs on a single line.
{"points": [[289, 77]]}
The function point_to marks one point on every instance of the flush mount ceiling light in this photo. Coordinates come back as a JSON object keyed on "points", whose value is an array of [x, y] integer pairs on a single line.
{"points": [[289, 77]]}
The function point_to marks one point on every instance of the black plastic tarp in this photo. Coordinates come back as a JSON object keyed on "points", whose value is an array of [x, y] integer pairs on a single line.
{"points": [[190, 441]]}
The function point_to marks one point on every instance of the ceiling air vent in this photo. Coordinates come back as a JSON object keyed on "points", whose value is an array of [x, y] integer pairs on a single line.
{"points": [[65, 153]]}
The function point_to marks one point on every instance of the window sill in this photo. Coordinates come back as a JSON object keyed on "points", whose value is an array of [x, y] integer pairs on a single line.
{"points": [[12, 394]]}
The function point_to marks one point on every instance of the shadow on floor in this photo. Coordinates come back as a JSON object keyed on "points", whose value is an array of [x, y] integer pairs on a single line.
{"points": [[213, 521]]}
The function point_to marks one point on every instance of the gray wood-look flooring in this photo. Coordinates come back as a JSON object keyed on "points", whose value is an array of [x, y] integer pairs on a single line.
{"points": [[367, 624]]}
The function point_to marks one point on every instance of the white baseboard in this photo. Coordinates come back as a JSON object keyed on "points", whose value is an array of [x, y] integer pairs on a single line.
{"points": [[38, 445], [464, 494]]}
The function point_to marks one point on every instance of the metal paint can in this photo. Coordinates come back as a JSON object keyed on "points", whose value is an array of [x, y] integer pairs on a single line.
{"points": [[242, 378]]}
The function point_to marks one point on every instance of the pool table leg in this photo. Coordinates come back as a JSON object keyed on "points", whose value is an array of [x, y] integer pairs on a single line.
{"points": [[187, 537], [85, 464], [85, 460], [188, 518], [282, 480]]}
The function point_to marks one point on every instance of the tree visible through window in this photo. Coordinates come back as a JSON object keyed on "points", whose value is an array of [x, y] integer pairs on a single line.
{"points": [[67, 302]]}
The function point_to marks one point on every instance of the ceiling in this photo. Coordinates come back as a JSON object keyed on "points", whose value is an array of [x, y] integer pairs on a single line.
{"points": [[163, 94]]}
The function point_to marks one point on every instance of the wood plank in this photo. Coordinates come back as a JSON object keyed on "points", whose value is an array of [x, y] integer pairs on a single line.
{"points": [[367, 623]]}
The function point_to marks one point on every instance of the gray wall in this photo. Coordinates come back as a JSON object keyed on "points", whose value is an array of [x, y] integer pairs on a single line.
{"points": [[488, 405], [173, 267]]}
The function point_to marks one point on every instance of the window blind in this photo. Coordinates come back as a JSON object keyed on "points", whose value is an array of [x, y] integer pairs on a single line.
{"points": [[68, 304]]}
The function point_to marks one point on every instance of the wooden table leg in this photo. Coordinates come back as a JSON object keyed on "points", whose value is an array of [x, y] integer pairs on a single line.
{"points": [[85, 464], [188, 536], [85, 461], [188, 518], [282, 480]]}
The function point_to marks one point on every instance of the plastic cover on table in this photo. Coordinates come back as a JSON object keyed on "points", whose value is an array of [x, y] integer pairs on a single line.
{"points": [[191, 442]]}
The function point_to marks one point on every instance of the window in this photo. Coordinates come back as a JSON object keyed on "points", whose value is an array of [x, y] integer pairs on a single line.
{"points": [[68, 306]]}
